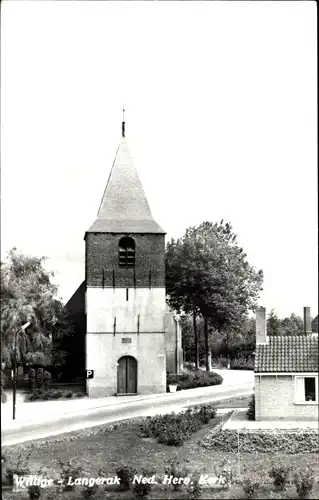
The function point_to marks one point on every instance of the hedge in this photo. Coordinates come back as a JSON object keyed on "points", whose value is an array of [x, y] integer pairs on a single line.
{"points": [[238, 363], [191, 380], [49, 395], [263, 441], [251, 412]]}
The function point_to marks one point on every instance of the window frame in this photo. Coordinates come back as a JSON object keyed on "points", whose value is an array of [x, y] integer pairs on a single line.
{"points": [[300, 394]]}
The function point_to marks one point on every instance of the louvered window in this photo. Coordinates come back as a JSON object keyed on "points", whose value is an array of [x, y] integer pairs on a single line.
{"points": [[127, 252]]}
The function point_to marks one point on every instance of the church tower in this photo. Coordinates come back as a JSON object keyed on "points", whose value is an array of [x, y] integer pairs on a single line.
{"points": [[125, 288]]}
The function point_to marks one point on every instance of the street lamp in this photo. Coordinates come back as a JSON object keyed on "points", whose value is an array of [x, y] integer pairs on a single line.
{"points": [[15, 368]]}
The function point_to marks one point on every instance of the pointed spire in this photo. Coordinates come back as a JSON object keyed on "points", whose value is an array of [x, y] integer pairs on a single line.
{"points": [[123, 123], [124, 206]]}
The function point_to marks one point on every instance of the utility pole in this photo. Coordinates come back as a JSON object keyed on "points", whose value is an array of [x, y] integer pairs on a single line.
{"points": [[15, 368]]}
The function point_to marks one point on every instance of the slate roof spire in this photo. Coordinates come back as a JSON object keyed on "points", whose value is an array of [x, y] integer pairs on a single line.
{"points": [[124, 207]]}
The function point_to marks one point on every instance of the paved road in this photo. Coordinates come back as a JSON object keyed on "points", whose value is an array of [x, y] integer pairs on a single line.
{"points": [[17, 432], [41, 411]]}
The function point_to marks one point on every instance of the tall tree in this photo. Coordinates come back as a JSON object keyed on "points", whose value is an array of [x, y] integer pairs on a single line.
{"points": [[28, 295], [206, 270]]}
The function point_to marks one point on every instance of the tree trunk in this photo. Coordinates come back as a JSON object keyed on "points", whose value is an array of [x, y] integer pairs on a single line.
{"points": [[206, 343], [228, 357], [196, 341]]}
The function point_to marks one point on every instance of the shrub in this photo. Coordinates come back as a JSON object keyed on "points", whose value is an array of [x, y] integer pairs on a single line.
{"points": [[142, 490], [20, 468], [35, 395], [251, 408], [79, 394], [172, 378], [194, 379], [189, 366], [39, 379], [30, 397], [250, 488], [126, 475], [34, 492], [31, 379], [280, 476], [69, 470], [46, 380], [172, 435], [175, 469], [173, 429], [89, 491], [242, 363], [206, 413], [194, 489], [42, 395], [147, 427], [304, 483], [56, 394], [190, 420]]}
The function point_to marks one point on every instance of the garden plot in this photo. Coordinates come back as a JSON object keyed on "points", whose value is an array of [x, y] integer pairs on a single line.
{"points": [[106, 447]]}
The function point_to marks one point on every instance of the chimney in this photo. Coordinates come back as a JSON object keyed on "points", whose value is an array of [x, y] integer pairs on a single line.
{"points": [[261, 326], [307, 320]]}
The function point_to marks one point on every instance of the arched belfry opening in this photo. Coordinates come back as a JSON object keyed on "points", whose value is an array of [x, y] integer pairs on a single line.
{"points": [[126, 252], [127, 375]]}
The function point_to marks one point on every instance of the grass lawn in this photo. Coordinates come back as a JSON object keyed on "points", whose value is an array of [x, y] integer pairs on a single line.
{"points": [[96, 449]]}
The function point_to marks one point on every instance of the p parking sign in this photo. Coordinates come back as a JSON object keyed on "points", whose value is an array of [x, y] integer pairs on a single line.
{"points": [[89, 374]]}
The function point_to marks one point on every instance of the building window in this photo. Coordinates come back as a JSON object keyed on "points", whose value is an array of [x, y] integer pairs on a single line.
{"points": [[306, 390], [310, 389], [126, 252]]}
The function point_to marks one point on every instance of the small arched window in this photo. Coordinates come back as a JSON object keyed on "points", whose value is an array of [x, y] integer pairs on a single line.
{"points": [[126, 252]]}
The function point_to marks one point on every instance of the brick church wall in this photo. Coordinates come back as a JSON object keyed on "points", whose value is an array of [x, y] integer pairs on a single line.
{"points": [[102, 260]]}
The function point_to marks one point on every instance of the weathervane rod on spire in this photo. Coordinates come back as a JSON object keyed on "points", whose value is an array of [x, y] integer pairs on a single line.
{"points": [[123, 123]]}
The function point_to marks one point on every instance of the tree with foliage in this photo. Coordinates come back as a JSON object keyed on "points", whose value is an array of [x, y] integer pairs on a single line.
{"points": [[238, 344], [293, 325], [273, 323], [28, 295], [207, 273]]}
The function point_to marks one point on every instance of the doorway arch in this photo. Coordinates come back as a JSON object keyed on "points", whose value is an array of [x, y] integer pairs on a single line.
{"points": [[127, 375]]}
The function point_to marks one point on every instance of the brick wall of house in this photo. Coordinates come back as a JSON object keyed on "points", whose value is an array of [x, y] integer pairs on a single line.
{"points": [[102, 254], [274, 400]]}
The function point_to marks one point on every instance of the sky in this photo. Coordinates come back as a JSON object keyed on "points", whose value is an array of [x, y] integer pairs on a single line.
{"points": [[221, 121]]}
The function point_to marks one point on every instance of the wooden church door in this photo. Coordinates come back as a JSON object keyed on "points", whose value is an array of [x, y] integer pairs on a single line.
{"points": [[127, 375]]}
